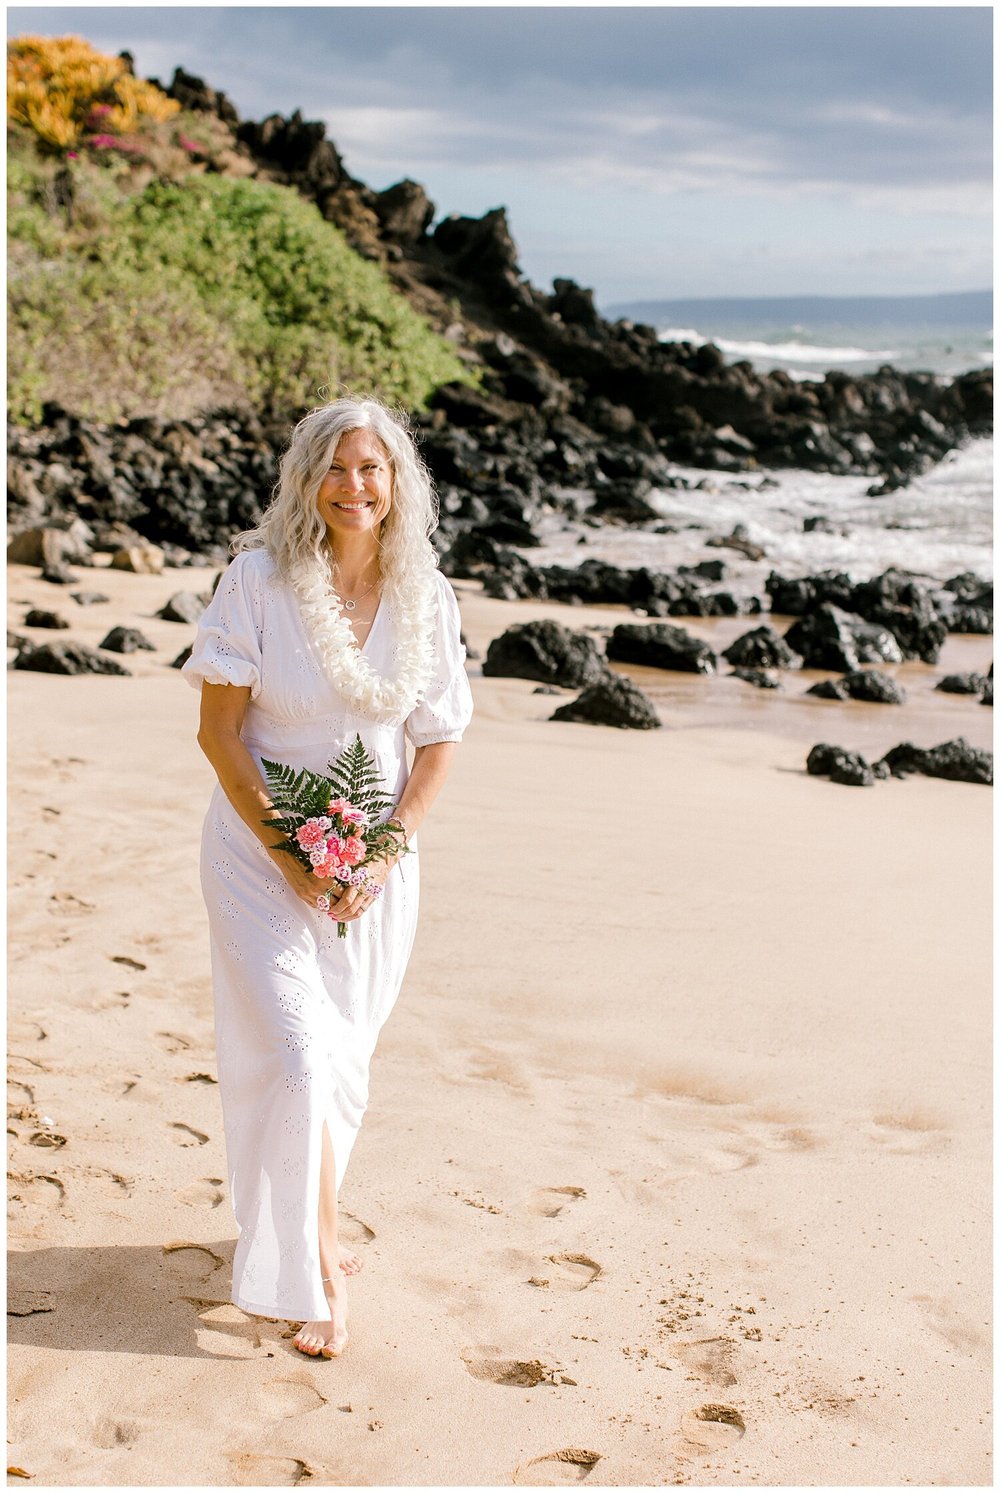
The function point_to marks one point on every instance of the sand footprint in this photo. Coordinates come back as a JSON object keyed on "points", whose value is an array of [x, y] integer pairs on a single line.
{"points": [[193, 1262], [569, 1465], [206, 1193], [226, 1331], [958, 1331], [294, 1395], [914, 1133], [250, 1471], [28, 1303], [187, 1136], [350, 1229], [65, 904], [712, 1428], [492, 1367], [37, 1189], [109, 1433], [550, 1201], [710, 1358], [23, 1029], [572, 1272], [173, 1042]]}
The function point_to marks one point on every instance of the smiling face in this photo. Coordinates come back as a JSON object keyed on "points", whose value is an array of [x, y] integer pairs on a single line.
{"points": [[356, 492]]}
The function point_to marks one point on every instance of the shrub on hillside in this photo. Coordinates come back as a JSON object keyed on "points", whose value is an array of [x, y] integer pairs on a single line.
{"points": [[193, 294], [65, 91]]}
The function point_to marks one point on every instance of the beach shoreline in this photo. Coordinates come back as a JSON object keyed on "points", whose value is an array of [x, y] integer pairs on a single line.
{"points": [[676, 1167]]}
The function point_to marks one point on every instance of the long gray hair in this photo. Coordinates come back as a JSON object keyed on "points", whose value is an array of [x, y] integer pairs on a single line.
{"points": [[292, 529]]}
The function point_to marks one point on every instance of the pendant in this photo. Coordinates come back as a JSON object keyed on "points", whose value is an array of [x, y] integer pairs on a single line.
{"points": [[350, 605]]}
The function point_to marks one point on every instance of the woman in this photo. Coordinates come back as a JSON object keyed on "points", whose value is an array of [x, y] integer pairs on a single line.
{"points": [[332, 621]]}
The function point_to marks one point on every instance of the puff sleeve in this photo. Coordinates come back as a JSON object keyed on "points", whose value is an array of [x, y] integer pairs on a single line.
{"points": [[227, 648], [446, 707]]}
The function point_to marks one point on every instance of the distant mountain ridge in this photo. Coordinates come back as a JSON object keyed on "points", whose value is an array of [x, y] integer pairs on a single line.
{"points": [[971, 308]]}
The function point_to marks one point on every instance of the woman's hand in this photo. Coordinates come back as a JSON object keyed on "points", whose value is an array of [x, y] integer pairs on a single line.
{"points": [[303, 883], [355, 900]]}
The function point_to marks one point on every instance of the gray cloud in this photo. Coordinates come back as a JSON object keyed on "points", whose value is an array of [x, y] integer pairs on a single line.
{"points": [[883, 109]]}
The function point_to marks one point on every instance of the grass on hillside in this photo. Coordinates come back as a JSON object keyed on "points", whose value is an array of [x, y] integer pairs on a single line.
{"points": [[131, 293]]}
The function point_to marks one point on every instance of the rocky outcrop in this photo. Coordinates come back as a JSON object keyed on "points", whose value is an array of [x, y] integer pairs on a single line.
{"points": [[546, 651], [555, 352], [761, 648], [829, 638], [660, 645], [39, 617], [956, 760], [861, 684], [66, 658], [177, 483], [761, 678], [126, 640], [611, 701], [841, 766], [962, 684]]}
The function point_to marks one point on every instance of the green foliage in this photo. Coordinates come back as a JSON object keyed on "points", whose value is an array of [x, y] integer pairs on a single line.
{"points": [[195, 293], [299, 795]]}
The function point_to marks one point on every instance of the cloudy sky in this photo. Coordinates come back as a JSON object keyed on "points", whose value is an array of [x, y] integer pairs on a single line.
{"points": [[663, 151]]}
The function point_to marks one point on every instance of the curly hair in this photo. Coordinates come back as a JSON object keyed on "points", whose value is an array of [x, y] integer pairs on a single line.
{"points": [[292, 529]]}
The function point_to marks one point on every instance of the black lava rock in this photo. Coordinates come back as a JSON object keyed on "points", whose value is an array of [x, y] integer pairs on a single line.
{"points": [[861, 684], [612, 701], [840, 766], [661, 645], [66, 658], [546, 651], [830, 638], [962, 684], [795, 597], [182, 657], [761, 648], [58, 575], [89, 598], [126, 640], [905, 605], [185, 606], [39, 618], [762, 678], [971, 619], [956, 760]]}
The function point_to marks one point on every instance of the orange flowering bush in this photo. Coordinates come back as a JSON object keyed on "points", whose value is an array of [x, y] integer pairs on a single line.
{"points": [[67, 92]]}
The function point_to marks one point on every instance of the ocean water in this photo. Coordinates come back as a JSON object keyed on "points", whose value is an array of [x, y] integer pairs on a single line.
{"points": [[807, 335], [807, 352], [940, 525]]}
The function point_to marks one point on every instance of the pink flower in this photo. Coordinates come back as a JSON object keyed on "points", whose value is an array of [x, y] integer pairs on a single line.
{"points": [[317, 855], [312, 832], [352, 850], [334, 846], [353, 816], [338, 805]]}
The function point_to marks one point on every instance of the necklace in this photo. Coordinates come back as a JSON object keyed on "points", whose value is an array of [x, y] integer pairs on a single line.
{"points": [[412, 604], [350, 605]]}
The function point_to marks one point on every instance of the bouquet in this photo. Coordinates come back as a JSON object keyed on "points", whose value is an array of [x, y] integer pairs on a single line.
{"points": [[334, 826]]}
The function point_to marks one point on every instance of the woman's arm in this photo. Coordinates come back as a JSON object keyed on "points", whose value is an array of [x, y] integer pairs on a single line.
{"points": [[223, 707], [431, 765]]}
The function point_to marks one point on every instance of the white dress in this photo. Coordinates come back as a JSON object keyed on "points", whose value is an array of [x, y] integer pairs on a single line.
{"points": [[297, 1009]]}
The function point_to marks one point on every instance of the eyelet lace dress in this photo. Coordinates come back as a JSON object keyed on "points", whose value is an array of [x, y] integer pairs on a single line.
{"points": [[297, 1010]]}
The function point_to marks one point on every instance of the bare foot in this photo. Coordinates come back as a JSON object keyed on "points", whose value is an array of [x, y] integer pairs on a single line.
{"points": [[350, 1263], [326, 1339]]}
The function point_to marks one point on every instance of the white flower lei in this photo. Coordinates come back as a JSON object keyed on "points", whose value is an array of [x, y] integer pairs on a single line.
{"points": [[412, 605]]}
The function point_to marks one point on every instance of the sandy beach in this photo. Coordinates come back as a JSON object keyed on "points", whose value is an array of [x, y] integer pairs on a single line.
{"points": [[677, 1162]]}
